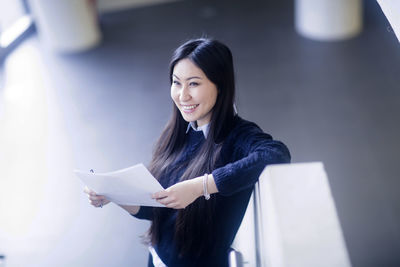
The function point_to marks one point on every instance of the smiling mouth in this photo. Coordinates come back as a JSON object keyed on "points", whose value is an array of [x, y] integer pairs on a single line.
{"points": [[189, 109]]}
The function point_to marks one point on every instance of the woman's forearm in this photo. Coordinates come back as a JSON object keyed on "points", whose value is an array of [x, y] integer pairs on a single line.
{"points": [[131, 209], [182, 194]]}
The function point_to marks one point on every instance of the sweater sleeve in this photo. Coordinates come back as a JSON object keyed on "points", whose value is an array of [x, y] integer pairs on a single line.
{"points": [[254, 150], [144, 213]]}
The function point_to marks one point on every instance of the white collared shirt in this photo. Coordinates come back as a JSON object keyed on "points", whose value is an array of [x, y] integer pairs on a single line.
{"points": [[205, 128], [157, 262]]}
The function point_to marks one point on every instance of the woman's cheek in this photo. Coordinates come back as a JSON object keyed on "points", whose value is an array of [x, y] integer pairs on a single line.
{"points": [[174, 95]]}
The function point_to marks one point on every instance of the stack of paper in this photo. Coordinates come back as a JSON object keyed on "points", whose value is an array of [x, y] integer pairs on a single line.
{"points": [[391, 8], [130, 186]]}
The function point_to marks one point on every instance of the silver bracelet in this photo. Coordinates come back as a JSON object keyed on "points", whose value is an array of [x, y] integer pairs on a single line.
{"points": [[205, 191]]}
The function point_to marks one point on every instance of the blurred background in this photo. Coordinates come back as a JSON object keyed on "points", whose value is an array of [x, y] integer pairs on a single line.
{"points": [[93, 93]]}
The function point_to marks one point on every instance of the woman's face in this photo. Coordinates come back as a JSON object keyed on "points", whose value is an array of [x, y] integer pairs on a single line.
{"points": [[193, 93]]}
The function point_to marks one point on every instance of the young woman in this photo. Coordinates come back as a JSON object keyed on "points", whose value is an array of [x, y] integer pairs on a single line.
{"points": [[207, 158]]}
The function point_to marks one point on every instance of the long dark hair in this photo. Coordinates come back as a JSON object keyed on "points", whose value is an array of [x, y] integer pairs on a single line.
{"points": [[194, 224]]}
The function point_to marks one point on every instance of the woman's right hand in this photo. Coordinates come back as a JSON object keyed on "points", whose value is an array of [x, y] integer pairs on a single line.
{"points": [[94, 199]]}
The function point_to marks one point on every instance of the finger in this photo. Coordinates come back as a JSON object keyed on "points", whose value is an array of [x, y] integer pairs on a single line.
{"points": [[96, 198], [89, 192], [86, 190], [172, 205], [96, 203], [160, 194], [99, 197], [166, 200], [175, 206]]}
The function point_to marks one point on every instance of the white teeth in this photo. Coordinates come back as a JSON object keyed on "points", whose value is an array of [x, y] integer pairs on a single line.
{"points": [[189, 107]]}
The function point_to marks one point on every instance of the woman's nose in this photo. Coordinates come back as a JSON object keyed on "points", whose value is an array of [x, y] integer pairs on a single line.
{"points": [[184, 94]]}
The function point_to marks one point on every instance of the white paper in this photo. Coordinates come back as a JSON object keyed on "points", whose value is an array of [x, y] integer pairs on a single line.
{"points": [[391, 8], [130, 186]]}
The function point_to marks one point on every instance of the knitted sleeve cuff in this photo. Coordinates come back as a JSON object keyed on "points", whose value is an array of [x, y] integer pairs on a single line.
{"points": [[244, 173], [145, 213]]}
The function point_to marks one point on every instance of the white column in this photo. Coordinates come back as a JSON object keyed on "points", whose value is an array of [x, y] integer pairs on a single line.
{"points": [[328, 20], [67, 25]]}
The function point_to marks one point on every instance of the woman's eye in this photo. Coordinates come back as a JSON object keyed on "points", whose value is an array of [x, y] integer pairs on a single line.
{"points": [[194, 84], [175, 82]]}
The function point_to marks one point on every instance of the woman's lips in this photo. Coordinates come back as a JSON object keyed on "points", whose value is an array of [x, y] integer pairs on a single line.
{"points": [[189, 108]]}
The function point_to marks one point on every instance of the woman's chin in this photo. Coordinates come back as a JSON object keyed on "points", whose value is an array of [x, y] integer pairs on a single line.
{"points": [[188, 118]]}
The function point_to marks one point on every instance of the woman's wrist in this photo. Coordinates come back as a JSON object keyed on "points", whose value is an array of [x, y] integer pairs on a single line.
{"points": [[211, 186], [198, 185]]}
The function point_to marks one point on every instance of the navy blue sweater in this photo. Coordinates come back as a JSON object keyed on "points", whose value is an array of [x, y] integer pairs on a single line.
{"points": [[244, 154]]}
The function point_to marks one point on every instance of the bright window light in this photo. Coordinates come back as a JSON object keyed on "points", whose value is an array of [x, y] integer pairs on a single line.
{"points": [[17, 29]]}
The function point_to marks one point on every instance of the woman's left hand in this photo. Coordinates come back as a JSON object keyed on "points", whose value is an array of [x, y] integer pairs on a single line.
{"points": [[94, 199], [180, 195]]}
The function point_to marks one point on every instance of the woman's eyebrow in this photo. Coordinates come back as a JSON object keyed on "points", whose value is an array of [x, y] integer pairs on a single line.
{"points": [[194, 77], [187, 79]]}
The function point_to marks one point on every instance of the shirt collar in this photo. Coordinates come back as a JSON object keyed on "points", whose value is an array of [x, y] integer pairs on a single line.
{"points": [[205, 128]]}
